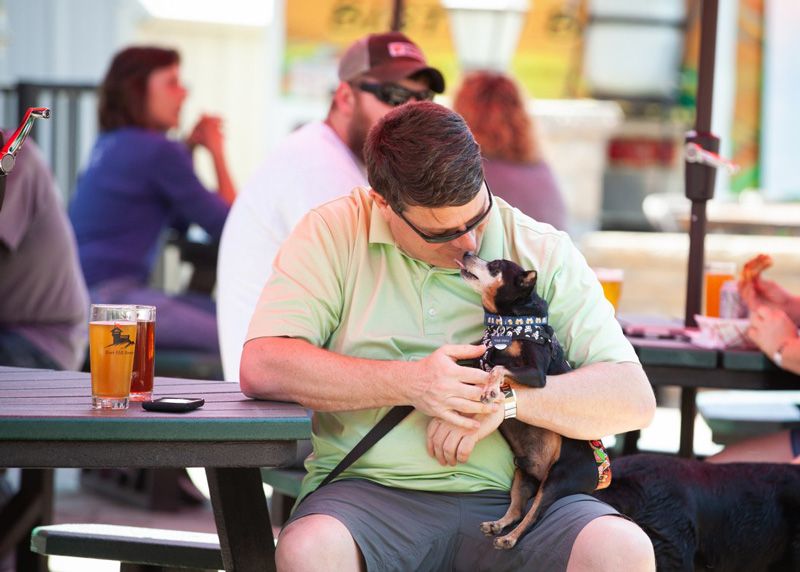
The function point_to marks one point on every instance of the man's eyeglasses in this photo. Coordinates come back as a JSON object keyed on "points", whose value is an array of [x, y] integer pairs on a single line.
{"points": [[393, 94], [447, 236]]}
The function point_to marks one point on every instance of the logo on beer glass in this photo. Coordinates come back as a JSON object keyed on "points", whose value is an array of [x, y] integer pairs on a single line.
{"points": [[121, 340]]}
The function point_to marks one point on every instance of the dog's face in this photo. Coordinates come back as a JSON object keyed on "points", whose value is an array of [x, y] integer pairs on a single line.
{"points": [[505, 287]]}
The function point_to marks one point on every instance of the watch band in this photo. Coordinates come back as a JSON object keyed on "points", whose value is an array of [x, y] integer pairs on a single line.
{"points": [[509, 402], [777, 357]]}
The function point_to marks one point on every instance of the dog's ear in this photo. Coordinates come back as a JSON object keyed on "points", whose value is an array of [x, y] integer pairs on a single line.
{"points": [[527, 280]]}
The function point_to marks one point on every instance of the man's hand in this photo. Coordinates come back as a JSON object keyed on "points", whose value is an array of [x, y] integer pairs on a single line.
{"points": [[450, 444], [441, 388]]}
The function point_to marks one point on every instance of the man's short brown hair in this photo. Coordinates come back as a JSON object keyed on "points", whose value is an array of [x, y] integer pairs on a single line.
{"points": [[423, 154], [123, 93]]}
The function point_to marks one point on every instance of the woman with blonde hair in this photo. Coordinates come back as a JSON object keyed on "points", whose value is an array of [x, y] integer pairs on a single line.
{"points": [[494, 108]]}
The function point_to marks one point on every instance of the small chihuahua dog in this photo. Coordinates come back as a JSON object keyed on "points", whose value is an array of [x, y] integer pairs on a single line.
{"points": [[522, 346]]}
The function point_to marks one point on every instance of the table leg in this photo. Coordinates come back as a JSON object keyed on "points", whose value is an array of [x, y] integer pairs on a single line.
{"points": [[630, 442], [243, 524], [30, 507], [688, 414]]}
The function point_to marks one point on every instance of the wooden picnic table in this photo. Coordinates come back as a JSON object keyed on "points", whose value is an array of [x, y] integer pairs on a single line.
{"points": [[46, 422], [670, 362]]}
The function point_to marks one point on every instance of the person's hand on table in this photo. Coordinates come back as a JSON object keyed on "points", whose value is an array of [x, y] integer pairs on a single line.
{"points": [[439, 387], [770, 329], [450, 444]]}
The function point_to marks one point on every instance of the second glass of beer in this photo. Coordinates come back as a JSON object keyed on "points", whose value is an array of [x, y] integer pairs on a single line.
{"points": [[112, 343], [143, 362], [611, 280]]}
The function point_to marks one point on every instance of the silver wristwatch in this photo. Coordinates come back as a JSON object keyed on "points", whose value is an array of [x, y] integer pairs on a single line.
{"points": [[509, 402]]}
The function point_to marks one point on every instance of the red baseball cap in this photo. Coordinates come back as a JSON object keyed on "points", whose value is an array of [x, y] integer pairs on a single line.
{"points": [[388, 57]]}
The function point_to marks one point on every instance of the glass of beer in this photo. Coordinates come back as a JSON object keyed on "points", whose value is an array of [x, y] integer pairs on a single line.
{"points": [[143, 359], [611, 280], [112, 345], [716, 274]]}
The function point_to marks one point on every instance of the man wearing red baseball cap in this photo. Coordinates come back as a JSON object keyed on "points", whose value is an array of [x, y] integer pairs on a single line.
{"points": [[316, 163]]}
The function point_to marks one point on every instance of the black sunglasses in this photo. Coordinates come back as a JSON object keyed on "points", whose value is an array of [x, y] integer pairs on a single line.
{"points": [[448, 236], [393, 94]]}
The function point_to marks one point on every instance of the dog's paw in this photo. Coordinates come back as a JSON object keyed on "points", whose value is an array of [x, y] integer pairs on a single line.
{"points": [[490, 394], [492, 527], [505, 542]]}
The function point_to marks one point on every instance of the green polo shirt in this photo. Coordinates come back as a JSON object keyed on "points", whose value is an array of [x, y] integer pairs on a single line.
{"points": [[340, 283]]}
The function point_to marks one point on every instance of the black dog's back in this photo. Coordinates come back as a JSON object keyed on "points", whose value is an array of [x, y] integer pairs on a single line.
{"points": [[703, 516]]}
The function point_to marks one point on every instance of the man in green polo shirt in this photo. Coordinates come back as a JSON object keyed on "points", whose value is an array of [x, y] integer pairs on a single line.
{"points": [[366, 310]]}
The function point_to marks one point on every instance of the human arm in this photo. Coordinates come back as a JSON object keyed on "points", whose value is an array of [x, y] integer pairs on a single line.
{"points": [[586, 403], [176, 182], [591, 401], [772, 330], [290, 369], [760, 292], [207, 133]]}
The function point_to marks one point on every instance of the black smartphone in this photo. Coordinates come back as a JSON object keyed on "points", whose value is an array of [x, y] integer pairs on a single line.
{"points": [[174, 404]]}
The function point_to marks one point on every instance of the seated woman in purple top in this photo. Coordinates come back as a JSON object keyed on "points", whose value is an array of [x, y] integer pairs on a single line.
{"points": [[137, 184], [494, 110]]}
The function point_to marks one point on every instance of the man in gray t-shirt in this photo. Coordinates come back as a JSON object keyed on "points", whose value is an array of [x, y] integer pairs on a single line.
{"points": [[43, 298]]}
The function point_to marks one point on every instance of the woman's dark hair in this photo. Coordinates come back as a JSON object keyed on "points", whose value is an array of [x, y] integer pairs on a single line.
{"points": [[423, 154], [123, 93]]}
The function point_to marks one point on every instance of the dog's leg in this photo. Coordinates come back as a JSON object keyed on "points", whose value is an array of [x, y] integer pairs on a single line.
{"points": [[510, 540], [521, 490], [491, 392]]}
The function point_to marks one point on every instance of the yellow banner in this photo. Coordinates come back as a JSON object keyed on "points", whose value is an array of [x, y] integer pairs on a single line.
{"points": [[546, 61]]}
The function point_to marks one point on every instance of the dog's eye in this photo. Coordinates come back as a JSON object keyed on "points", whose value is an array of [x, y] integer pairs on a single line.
{"points": [[494, 268]]}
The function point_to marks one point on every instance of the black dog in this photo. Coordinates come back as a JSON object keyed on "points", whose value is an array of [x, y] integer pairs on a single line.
{"points": [[522, 346], [703, 516]]}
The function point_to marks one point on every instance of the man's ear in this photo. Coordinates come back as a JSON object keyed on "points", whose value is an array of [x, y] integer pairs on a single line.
{"points": [[344, 99], [381, 203]]}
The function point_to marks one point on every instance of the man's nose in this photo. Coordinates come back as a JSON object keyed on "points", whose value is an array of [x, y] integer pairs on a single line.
{"points": [[467, 242]]}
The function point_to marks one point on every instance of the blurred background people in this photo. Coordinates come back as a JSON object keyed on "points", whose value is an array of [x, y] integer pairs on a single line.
{"points": [[43, 300], [318, 162], [138, 183], [495, 110], [774, 317]]}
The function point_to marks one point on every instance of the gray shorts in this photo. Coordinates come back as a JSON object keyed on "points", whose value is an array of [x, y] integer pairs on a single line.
{"points": [[414, 531]]}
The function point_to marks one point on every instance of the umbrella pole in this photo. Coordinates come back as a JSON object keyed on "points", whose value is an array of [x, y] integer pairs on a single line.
{"points": [[699, 176], [398, 13]]}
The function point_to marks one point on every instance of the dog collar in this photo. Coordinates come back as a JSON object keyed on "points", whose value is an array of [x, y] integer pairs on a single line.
{"points": [[502, 330], [490, 319]]}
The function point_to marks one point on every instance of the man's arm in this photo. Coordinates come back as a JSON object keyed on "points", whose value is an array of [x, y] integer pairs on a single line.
{"points": [[290, 369], [586, 403], [590, 402]]}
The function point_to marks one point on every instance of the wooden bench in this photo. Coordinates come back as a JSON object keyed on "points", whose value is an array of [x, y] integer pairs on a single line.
{"points": [[136, 549], [738, 415], [140, 549]]}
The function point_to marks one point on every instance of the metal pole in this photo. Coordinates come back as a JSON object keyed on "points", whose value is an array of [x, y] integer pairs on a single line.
{"points": [[398, 9], [699, 180], [699, 177], [2, 177]]}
